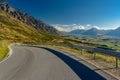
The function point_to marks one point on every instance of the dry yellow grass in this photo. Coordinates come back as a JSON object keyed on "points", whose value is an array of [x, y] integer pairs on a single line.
{"points": [[3, 49], [105, 58]]}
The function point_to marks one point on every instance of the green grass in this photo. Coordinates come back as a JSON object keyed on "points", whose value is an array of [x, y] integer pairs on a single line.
{"points": [[95, 42], [3, 49], [110, 45]]}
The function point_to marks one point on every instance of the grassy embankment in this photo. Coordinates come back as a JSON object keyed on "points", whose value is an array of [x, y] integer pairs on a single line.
{"points": [[86, 54], [3, 49]]}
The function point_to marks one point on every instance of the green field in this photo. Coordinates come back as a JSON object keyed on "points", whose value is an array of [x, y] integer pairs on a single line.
{"points": [[102, 42]]}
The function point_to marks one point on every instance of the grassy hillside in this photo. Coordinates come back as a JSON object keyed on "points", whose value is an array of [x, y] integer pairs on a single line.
{"points": [[16, 31]]}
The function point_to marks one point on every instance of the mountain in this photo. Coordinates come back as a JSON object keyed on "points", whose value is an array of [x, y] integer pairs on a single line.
{"points": [[26, 18], [18, 26], [114, 33], [76, 32], [91, 32]]}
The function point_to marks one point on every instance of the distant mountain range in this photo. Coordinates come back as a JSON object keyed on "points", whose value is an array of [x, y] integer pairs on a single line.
{"points": [[76, 32], [114, 33], [95, 32]]}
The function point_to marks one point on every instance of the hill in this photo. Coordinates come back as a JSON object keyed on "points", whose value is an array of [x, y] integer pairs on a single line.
{"points": [[26, 18], [18, 26]]}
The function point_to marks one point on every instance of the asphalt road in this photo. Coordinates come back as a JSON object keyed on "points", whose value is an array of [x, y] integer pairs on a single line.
{"points": [[35, 63]]}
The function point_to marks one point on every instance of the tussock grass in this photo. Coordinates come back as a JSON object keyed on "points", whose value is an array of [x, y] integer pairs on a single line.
{"points": [[17, 31], [88, 54], [106, 58], [3, 49]]}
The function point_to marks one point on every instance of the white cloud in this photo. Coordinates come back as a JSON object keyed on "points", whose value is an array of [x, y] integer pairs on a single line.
{"points": [[88, 25], [61, 28], [71, 27]]}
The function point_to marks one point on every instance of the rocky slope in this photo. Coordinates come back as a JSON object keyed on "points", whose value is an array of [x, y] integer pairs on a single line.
{"points": [[17, 26], [26, 18]]}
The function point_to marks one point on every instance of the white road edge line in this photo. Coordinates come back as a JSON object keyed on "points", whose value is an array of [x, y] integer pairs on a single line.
{"points": [[9, 53]]}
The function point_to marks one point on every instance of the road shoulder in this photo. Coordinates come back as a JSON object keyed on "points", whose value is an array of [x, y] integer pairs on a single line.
{"points": [[98, 69]]}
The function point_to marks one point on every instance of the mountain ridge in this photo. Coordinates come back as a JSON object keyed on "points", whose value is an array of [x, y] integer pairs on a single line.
{"points": [[114, 33], [26, 18], [91, 32], [95, 32], [13, 29]]}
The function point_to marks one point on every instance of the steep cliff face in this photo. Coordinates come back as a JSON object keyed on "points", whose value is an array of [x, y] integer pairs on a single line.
{"points": [[26, 18]]}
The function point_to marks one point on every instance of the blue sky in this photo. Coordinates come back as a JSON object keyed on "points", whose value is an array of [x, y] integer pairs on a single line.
{"points": [[102, 13]]}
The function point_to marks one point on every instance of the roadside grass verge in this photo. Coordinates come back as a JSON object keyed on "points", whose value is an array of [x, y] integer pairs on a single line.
{"points": [[87, 54], [3, 49], [102, 62]]}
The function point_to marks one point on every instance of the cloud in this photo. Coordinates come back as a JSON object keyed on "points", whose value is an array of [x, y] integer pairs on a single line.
{"points": [[88, 25], [61, 28], [71, 27]]}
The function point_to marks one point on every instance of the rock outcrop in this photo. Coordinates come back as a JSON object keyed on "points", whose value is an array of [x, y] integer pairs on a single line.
{"points": [[26, 18]]}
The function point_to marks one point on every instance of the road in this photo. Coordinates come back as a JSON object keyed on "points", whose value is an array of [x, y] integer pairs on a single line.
{"points": [[36, 63]]}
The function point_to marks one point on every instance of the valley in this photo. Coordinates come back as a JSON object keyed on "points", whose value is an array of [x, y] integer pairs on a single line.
{"points": [[100, 42]]}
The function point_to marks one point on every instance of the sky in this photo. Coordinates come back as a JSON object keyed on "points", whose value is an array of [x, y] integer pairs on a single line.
{"points": [[97, 13]]}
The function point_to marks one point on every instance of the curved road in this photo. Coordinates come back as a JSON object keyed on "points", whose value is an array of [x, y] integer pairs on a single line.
{"points": [[35, 63]]}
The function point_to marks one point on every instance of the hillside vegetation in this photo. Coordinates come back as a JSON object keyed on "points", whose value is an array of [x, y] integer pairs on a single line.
{"points": [[16, 31], [17, 26], [3, 49]]}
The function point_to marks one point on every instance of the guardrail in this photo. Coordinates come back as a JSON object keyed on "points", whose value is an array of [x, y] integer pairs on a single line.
{"points": [[112, 53]]}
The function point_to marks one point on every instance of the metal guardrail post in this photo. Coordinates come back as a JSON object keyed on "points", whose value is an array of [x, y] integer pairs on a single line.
{"points": [[117, 62], [82, 51], [94, 55], [97, 51]]}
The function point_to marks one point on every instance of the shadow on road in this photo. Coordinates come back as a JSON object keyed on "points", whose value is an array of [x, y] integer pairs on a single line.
{"points": [[80, 69]]}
